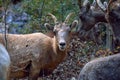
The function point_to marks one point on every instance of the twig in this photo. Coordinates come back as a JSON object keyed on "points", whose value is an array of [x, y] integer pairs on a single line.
{"points": [[42, 7], [5, 7]]}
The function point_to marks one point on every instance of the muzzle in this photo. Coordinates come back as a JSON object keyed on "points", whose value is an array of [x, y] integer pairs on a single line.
{"points": [[62, 46]]}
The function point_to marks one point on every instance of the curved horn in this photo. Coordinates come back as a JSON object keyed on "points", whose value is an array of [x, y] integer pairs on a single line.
{"points": [[102, 7], [68, 17], [109, 4], [85, 2], [53, 17]]}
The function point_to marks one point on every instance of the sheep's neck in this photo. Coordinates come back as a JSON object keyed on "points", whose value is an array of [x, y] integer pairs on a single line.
{"points": [[59, 55]]}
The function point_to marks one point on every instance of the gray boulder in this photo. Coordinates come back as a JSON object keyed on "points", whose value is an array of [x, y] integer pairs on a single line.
{"points": [[105, 68]]}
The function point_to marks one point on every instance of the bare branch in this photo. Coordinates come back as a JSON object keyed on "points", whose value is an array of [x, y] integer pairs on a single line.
{"points": [[79, 3]]}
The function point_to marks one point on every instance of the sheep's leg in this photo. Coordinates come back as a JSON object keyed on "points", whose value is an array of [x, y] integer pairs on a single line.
{"points": [[33, 75], [34, 72]]}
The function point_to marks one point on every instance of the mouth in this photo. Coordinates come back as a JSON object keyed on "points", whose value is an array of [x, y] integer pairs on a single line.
{"points": [[62, 48]]}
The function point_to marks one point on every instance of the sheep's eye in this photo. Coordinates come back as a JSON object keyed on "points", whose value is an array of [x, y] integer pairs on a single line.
{"points": [[56, 23]]}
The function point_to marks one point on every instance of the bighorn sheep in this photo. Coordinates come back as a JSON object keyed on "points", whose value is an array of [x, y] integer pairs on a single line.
{"points": [[37, 54], [89, 18], [105, 13], [105, 68], [4, 63], [112, 15]]}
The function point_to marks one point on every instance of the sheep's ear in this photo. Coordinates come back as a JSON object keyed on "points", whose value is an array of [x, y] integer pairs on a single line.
{"points": [[74, 23], [47, 26]]}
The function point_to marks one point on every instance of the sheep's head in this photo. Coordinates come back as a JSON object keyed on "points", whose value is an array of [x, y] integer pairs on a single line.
{"points": [[62, 31]]}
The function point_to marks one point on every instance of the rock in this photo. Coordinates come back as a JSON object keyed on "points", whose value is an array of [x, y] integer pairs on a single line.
{"points": [[73, 78], [4, 63], [105, 68]]}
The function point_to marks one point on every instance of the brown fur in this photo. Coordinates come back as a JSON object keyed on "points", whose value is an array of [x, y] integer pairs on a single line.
{"points": [[37, 54], [32, 53], [32, 47]]}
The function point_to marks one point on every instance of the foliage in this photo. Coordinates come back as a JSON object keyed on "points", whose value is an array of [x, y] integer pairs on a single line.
{"points": [[38, 10], [0, 3]]}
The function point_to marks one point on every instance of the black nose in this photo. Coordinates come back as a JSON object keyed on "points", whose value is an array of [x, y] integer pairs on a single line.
{"points": [[62, 44]]}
